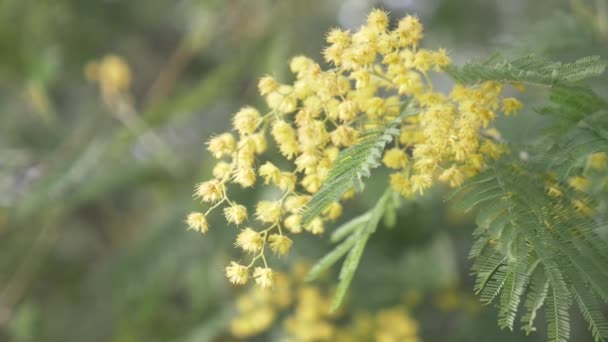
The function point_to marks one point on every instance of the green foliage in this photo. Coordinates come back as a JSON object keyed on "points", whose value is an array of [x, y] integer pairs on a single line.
{"points": [[529, 69], [356, 233], [352, 165], [530, 242], [573, 103]]}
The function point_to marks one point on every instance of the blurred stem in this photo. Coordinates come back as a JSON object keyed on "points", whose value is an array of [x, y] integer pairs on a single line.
{"points": [[601, 17], [17, 285], [167, 77], [128, 116], [598, 16], [40, 101]]}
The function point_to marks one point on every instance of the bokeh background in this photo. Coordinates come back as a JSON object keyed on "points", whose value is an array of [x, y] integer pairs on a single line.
{"points": [[95, 183]]}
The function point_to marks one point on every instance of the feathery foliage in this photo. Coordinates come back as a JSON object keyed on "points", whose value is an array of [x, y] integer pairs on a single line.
{"points": [[352, 165], [355, 234], [529, 69], [529, 242]]}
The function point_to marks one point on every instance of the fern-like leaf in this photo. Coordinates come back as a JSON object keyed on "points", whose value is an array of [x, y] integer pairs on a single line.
{"points": [[528, 69], [556, 311], [589, 306], [529, 240], [358, 231], [539, 286], [350, 168]]}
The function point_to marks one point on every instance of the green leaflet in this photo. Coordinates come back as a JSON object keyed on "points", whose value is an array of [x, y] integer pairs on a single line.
{"points": [[358, 231], [572, 103], [539, 285], [528, 69], [352, 165]]}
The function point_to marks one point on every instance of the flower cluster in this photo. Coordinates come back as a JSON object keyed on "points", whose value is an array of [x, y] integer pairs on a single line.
{"points": [[308, 318], [581, 188], [378, 74]]}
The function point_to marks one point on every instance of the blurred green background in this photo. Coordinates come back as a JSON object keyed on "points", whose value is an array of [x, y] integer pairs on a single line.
{"points": [[94, 191]]}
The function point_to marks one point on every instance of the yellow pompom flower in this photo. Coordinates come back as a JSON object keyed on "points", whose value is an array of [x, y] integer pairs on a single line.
{"points": [[246, 120], [210, 191], [260, 143], [112, 72], [285, 137], [347, 110], [344, 136], [293, 223], [237, 274], [409, 31], [269, 212], [395, 158], [452, 176], [377, 20], [235, 213], [333, 211], [244, 176], [339, 37], [287, 181], [421, 182], [249, 240], [263, 277], [270, 173], [280, 244], [267, 85], [315, 226], [400, 183], [221, 145], [252, 323], [197, 221], [222, 170]]}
